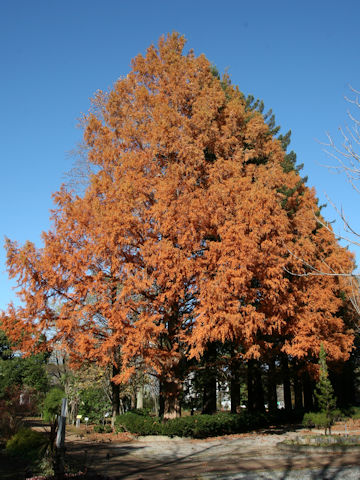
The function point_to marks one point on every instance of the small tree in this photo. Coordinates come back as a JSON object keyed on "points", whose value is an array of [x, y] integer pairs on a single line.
{"points": [[51, 412], [324, 391]]}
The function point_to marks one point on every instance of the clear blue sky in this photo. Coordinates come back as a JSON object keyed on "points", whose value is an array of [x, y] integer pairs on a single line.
{"points": [[298, 56]]}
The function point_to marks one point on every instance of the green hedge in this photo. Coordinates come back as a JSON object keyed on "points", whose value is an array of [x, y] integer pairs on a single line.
{"points": [[197, 426]]}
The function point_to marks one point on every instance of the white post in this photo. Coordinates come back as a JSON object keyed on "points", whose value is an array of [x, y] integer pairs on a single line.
{"points": [[60, 437], [78, 419]]}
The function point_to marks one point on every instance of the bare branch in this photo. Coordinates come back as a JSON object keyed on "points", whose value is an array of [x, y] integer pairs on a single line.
{"points": [[347, 162]]}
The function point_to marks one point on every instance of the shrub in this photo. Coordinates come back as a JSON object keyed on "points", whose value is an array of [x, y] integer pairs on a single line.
{"points": [[10, 412], [140, 424], [180, 427], [93, 404], [308, 420], [283, 416], [99, 429], [197, 426], [52, 404], [144, 412], [354, 413], [27, 444], [318, 420], [103, 429], [108, 429], [337, 415]]}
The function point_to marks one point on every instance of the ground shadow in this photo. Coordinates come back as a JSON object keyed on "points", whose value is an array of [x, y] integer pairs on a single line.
{"points": [[119, 463]]}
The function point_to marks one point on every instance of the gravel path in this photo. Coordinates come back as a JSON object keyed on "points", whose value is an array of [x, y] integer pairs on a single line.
{"points": [[250, 456], [346, 473]]}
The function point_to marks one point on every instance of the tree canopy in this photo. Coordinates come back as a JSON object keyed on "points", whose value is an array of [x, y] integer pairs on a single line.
{"points": [[182, 236]]}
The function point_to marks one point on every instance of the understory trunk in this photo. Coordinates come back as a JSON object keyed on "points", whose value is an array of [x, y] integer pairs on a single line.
{"points": [[297, 391], [115, 393], [255, 387], [140, 397], [209, 379], [286, 383], [258, 389], [250, 385], [235, 386], [308, 388], [271, 387]]}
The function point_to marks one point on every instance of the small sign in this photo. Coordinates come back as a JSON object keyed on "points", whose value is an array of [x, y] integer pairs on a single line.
{"points": [[86, 419], [79, 416]]}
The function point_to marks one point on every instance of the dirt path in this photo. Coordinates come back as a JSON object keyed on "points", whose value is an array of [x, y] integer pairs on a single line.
{"points": [[247, 456]]}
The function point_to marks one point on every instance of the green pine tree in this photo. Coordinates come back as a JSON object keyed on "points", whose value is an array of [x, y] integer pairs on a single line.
{"points": [[324, 391]]}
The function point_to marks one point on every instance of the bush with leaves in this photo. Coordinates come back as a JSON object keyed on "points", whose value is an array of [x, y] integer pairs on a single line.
{"points": [[93, 404], [27, 444], [28, 372], [52, 404], [51, 411], [15, 403], [197, 426], [103, 428], [318, 420], [354, 413], [139, 424]]}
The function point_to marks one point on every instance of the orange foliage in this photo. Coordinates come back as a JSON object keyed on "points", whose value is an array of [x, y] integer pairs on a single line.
{"points": [[183, 236]]}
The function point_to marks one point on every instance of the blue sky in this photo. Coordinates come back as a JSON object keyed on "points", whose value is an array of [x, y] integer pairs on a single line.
{"points": [[299, 57]]}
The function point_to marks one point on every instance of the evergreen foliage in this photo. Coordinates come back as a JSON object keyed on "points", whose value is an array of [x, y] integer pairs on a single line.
{"points": [[5, 347], [196, 426], [27, 372], [27, 444], [324, 394], [324, 391], [52, 404]]}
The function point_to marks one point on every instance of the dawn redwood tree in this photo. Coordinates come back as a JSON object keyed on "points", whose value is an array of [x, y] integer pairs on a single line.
{"points": [[180, 239], [247, 293]]}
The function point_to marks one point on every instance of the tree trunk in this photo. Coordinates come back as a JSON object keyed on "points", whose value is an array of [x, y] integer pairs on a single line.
{"points": [[308, 393], [250, 385], [286, 383], [209, 396], [209, 387], [235, 386], [156, 403], [169, 399], [271, 387], [115, 393], [161, 400], [297, 391], [258, 389], [140, 397], [343, 380]]}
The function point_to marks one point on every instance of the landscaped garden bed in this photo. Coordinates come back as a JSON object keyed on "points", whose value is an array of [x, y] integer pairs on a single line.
{"points": [[325, 442]]}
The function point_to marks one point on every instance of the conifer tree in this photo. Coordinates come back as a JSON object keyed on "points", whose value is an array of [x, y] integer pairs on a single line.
{"points": [[324, 391]]}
